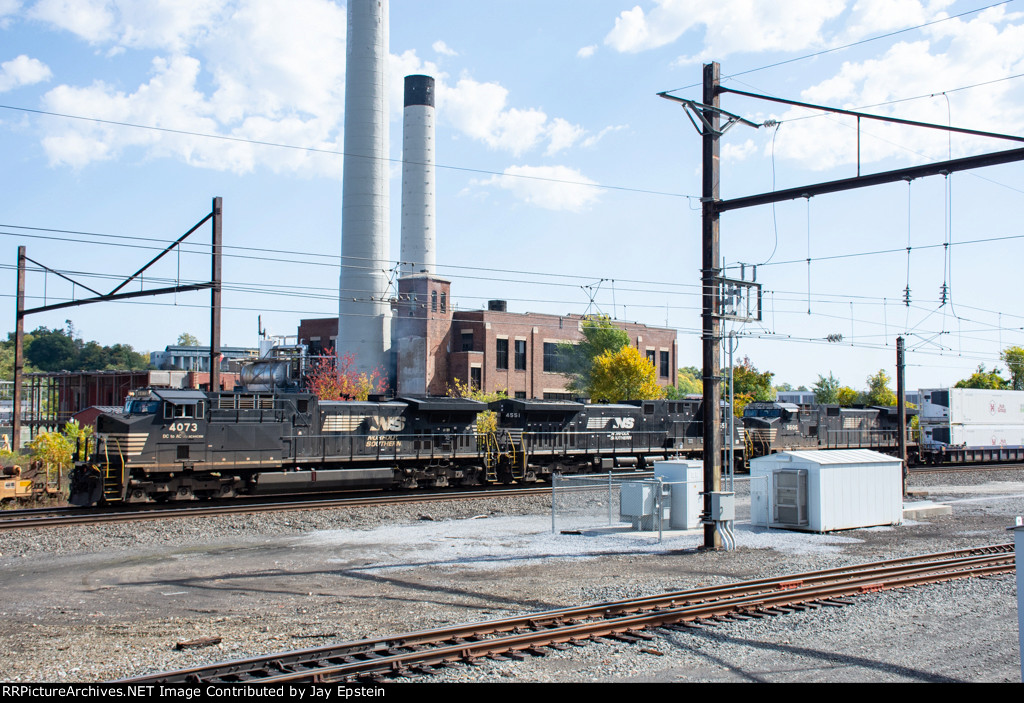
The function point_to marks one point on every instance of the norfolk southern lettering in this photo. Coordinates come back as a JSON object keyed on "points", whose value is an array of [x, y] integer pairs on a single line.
{"points": [[174, 445]]}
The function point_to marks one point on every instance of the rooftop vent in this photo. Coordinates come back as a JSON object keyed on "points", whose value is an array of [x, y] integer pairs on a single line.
{"points": [[497, 305]]}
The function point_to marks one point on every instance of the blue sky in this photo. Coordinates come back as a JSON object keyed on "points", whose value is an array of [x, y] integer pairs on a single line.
{"points": [[564, 92]]}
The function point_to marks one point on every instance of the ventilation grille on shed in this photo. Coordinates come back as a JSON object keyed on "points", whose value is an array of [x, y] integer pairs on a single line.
{"points": [[789, 493]]}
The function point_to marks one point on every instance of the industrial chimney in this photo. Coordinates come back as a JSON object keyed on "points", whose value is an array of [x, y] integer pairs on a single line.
{"points": [[364, 320], [418, 253]]}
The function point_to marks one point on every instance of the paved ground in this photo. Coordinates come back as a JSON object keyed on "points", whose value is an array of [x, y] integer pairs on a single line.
{"points": [[102, 603]]}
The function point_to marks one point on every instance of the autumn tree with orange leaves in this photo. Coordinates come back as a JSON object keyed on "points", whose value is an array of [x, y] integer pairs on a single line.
{"points": [[334, 378]]}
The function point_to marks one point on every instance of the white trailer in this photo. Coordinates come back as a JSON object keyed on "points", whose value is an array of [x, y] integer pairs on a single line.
{"points": [[971, 406]]}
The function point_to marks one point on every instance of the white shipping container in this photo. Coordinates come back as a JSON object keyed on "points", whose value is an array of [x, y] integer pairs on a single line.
{"points": [[947, 434], [972, 406]]}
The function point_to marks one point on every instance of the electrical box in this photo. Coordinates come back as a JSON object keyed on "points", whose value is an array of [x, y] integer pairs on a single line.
{"points": [[723, 506]]}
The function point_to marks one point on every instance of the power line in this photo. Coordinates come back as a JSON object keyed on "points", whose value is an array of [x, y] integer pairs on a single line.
{"points": [[334, 152], [849, 46]]}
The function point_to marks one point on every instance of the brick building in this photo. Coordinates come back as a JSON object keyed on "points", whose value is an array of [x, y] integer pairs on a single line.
{"points": [[493, 349]]}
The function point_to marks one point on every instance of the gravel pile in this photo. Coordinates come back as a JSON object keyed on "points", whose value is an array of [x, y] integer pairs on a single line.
{"points": [[101, 603]]}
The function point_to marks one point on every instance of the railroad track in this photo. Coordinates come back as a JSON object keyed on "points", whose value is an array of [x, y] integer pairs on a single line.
{"points": [[60, 517], [626, 620], [963, 468]]}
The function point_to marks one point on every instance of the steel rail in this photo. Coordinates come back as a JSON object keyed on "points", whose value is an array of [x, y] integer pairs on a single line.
{"points": [[613, 619], [82, 517]]}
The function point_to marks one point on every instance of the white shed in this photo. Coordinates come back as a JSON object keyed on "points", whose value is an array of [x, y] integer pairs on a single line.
{"points": [[821, 491]]}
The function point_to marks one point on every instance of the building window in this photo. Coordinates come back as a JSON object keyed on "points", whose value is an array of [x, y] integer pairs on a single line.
{"points": [[520, 394], [467, 341], [651, 357], [475, 378], [554, 360], [501, 354], [520, 355], [433, 301], [664, 364], [444, 301]]}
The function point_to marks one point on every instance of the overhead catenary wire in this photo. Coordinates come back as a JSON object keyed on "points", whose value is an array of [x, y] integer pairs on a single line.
{"points": [[831, 50], [335, 152]]}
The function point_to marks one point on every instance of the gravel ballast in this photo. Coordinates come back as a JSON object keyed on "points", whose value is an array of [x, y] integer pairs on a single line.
{"points": [[101, 603]]}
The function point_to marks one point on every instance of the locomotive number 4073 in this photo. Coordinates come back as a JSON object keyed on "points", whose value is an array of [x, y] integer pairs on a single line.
{"points": [[184, 427]]}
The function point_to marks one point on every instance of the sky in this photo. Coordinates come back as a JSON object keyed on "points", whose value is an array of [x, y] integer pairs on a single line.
{"points": [[564, 183]]}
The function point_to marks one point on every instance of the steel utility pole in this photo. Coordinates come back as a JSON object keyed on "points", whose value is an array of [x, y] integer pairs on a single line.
{"points": [[901, 407], [19, 353], [711, 329], [22, 311], [215, 293]]}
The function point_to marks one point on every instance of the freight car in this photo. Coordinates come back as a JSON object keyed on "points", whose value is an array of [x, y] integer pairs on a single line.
{"points": [[18, 486], [183, 445], [775, 427], [964, 425]]}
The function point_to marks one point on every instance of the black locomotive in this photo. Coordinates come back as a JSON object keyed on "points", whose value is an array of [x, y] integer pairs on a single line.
{"points": [[771, 427], [186, 444]]}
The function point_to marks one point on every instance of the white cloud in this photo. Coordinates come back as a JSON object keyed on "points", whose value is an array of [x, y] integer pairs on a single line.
{"points": [[869, 17], [593, 139], [549, 187], [948, 59], [738, 152], [269, 70], [587, 51], [168, 100], [158, 24], [92, 20], [441, 48], [729, 25], [275, 58], [563, 135], [480, 110], [264, 75], [7, 9], [22, 70]]}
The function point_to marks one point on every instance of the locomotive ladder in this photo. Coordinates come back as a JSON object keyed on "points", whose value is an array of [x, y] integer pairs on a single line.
{"points": [[113, 475], [491, 457], [515, 441], [511, 440]]}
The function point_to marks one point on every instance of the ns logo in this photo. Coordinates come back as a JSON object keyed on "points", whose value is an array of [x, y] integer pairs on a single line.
{"points": [[622, 423], [379, 423]]}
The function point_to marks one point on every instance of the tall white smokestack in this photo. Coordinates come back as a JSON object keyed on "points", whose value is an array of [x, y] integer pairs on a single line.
{"points": [[418, 253], [364, 321]]}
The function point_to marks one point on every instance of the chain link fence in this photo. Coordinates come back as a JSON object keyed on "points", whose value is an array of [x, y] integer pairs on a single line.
{"points": [[632, 502]]}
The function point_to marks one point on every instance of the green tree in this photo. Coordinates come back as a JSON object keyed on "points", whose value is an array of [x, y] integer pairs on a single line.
{"points": [[54, 450], [60, 350], [747, 380], [486, 420], [981, 378], [187, 340], [600, 335], [826, 390], [1014, 358], [52, 350], [848, 397], [748, 385], [878, 392], [688, 382], [623, 375]]}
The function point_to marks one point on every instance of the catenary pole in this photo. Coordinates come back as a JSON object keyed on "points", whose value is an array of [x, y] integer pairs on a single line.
{"points": [[215, 293], [19, 354], [709, 280]]}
